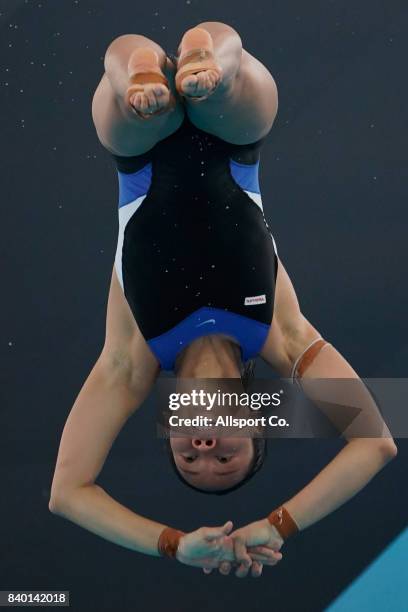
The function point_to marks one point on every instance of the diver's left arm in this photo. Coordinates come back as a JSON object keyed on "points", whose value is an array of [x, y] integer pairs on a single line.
{"points": [[352, 468]]}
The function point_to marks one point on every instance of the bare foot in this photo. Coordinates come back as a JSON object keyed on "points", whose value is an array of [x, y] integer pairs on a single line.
{"points": [[198, 74], [200, 85], [148, 93]]}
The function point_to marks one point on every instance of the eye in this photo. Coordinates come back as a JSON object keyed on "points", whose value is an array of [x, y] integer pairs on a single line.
{"points": [[224, 459], [188, 458]]}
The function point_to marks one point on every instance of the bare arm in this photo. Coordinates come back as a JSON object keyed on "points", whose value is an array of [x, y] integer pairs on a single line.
{"points": [[349, 472], [117, 385], [342, 478], [359, 461], [102, 408]]}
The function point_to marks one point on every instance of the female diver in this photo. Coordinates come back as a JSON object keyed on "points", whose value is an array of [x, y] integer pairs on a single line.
{"points": [[198, 287]]}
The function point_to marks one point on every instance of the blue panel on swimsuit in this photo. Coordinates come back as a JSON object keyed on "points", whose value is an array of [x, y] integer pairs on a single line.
{"points": [[132, 186], [250, 334], [246, 175]]}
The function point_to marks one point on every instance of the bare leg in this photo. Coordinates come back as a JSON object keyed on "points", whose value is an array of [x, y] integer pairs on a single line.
{"points": [[118, 127], [243, 106]]}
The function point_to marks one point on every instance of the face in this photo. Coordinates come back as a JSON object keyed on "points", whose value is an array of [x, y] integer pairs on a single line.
{"points": [[212, 464]]}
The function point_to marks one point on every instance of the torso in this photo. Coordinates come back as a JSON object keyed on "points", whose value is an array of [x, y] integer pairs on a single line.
{"points": [[194, 246]]}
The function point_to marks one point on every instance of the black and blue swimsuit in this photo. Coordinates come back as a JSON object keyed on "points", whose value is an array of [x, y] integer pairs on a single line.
{"points": [[195, 255]]}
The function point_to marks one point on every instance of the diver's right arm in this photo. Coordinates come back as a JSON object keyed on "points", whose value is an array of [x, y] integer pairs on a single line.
{"points": [[111, 393], [118, 384]]}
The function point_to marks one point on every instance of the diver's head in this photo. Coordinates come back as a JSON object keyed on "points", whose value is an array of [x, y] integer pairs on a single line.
{"points": [[208, 464]]}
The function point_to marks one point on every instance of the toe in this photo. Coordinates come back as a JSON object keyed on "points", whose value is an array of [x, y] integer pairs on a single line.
{"points": [[214, 77], [151, 100], [162, 97], [159, 90], [190, 84], [144, 103], [138, 100], [200, 84]]}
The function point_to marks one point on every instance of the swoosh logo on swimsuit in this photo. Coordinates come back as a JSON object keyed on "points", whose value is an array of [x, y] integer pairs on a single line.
{"points": [[204, 322]]}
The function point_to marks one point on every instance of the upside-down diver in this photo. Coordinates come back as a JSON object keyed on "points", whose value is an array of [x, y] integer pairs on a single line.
{"points": [[197, 287]]}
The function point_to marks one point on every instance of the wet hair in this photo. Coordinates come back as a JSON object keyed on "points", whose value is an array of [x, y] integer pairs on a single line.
{"points": [[260, 451]]}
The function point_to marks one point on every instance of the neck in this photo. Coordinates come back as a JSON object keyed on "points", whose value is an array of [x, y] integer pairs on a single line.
{"points": [[210, 357]]}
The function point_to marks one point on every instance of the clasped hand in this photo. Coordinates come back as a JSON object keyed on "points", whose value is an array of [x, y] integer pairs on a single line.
{"points": [[246, 550]]}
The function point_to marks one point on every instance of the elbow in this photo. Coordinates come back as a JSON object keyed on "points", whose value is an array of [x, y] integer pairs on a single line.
{"points": [[53, 505], [58, 500], [379, 451], [56, 503], [388, 449], [63, 499]]}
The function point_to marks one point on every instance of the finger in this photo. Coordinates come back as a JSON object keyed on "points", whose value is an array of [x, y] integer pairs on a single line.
{"points": [[227, 528], [242, 570], [225, 568], [212, 533], [265, 550], [256, 569], [265, 555], [264, 560], [241, 553], [262, 550], [207, 570]]}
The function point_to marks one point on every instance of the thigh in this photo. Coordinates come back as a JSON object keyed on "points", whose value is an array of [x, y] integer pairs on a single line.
{"points": [[290, 331], [246, 112], [124, 344]]}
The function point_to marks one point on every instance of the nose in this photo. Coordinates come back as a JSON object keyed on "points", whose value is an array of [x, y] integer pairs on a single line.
{"points": [[203, 445]]}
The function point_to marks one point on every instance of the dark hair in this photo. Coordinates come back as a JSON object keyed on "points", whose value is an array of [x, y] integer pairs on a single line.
{"points": [[260, 451], [247, 373]]}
